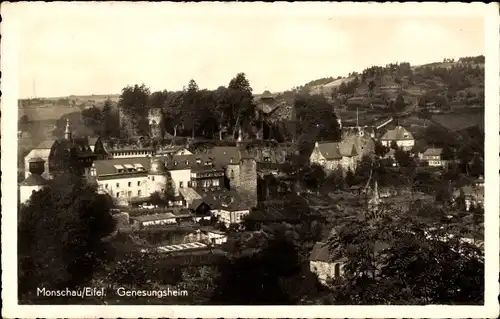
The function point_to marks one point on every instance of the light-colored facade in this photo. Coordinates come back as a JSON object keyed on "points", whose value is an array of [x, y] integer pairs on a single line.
{"points": [[334, 155], [26, 191], [434, 157], [403, 138], [179, 178], [229, 217]]}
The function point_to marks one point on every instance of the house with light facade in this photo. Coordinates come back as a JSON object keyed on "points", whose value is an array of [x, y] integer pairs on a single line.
{"points": [[401, 136]]}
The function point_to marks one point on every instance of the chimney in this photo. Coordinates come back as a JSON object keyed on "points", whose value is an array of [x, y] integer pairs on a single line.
{"points": [[316, 144]]}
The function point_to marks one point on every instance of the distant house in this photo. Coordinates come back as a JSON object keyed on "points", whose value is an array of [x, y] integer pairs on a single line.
{"points": [[323, 265], [434, 157], [473, 195], [156, 219], [401, 136], [213, 236], [334, 155]]}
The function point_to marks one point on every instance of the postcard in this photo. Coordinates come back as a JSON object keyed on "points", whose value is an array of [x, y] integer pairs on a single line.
{"points": [[250, 160]]}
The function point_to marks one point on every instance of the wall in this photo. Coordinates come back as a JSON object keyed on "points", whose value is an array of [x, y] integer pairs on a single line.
{"points": [[324, 270], [316, 156], [177, 176], [25, 192], [228, 217], [137, 184], [248, 180], [156, 183], [233, 174]]}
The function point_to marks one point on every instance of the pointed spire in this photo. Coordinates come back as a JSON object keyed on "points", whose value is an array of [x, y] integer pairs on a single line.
{"points": [[67, 132]]}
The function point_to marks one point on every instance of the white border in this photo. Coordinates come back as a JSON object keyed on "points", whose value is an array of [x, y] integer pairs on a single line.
{"points": [[9, 86]]}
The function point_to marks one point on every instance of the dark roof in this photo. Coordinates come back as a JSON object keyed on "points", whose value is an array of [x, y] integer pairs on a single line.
{"points": [[320, 252], [46, 144], [224, 199], [332, 151], [34, 180], [107, 167], [224, 155], [78, 144], [433, 152], [397, 134]]}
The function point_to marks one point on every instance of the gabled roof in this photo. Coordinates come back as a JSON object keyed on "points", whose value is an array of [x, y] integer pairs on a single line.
{"points": [[433, 152], [45, 144], [397, 134], [330, 151], [334, 151], [320, 252], [34, 180], [42, 153]]}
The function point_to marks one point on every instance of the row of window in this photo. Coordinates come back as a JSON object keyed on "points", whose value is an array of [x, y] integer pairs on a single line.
{"points": [[211, 174], [129, 194], [118, 184], [131, 153]]}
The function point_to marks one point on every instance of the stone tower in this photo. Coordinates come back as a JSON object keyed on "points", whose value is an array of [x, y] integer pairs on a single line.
{"points": [[155, 120], [248, 180]]}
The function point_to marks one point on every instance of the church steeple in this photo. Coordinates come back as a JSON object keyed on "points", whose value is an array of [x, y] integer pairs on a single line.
{"points": [[67, 132]]}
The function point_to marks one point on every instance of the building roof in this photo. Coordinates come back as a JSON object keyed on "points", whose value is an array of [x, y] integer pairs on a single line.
{"points": [[107, 167], [187, 246], [34, 180], [433, 152], [93, 140], [154, 217], [224, 155], [225, 200], [42, 153], [332, 151], [189, 195], [45, 144], [36, 159], [397, 134], [320, 252]]}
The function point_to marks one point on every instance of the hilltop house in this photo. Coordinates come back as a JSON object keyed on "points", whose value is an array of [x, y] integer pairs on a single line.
{"points": [[401, 136], [434, 157], [332, 155]]}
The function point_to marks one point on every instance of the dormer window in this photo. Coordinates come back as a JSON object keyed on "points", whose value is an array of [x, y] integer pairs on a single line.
{"points": [[405, 135], [198, 161], [208, 163], [175, 163], [187, 162]]}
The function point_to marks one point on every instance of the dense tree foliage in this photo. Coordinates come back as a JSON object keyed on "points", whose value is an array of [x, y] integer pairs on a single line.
{"points": [[60, 235], [398, 259]]}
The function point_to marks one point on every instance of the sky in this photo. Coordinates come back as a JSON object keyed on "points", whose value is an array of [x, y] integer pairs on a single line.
{"points": [[98, 48]]}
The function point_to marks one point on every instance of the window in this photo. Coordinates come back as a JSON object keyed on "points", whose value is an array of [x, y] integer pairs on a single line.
{"points": [[117, 185], [139, 183], [336, 270], [193, 184], [117, 195], [106, 186], [198, 161], [153, 178], [181, 184], [129, 193], [139, 193], [93, 171], [129, 184], [215, 182]]}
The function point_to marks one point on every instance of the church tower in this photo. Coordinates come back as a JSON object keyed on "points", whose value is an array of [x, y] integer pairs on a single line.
{"points": [[67, 132]]}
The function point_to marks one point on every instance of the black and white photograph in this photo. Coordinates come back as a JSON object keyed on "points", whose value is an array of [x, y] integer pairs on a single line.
{"points": [[249, 154]]}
